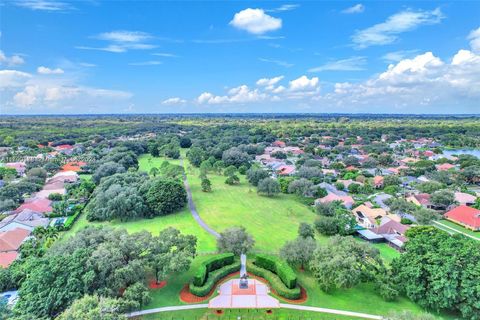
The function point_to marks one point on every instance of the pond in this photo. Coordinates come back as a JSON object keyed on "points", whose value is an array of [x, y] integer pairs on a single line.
{"points": [[473, 152]]}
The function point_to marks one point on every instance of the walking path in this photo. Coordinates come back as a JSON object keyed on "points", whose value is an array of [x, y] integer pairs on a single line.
{"points": [[443, 226], [282, 305], [193, 209], [332, 311]]}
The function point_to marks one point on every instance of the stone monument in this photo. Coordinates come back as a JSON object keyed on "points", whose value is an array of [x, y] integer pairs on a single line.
{"points": [[243, 272]]}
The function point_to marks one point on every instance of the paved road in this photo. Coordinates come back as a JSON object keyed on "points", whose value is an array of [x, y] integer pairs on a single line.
{"points": [[193, 209], [282, 305], [453, 230], [164, 309]]}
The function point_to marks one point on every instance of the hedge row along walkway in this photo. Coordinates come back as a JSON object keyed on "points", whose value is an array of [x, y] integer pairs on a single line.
{"points": [[193, 209], [282, 305]]}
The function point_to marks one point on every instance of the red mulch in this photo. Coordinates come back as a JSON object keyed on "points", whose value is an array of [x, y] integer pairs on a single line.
{"points": [[154, 285], [188, 297], [302, 299]]}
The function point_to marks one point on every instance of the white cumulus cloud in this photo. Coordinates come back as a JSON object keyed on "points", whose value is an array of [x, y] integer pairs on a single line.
{"points": [[474, 38], [303, 83], [255, 21], [10, 61], [45, 70], [13, 78], [173, 101], [265, 82]]}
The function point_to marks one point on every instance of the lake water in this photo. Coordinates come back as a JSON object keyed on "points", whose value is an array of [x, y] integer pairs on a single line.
{"points": [[473, 152]]}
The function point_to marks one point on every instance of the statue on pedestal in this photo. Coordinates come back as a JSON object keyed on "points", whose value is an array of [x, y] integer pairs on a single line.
{"points": [[243, 272]]}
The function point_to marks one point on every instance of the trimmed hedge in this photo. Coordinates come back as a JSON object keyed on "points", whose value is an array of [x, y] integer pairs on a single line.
{"points": [[213, 278], [278, 267], [275, 281], [210, 265]]}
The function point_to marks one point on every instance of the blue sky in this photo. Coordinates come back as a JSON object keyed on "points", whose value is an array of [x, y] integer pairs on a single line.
{"points": [[169, 57]]}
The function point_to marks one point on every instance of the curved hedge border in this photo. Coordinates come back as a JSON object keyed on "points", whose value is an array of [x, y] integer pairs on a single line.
{"points": [[213, 278], [210, 265], [275, 282], [278, 267]]}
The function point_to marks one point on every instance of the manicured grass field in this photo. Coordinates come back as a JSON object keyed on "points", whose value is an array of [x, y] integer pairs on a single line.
{"points": [[270, 220], [182, 221], [459, 228], [244, 314], [146, 162]]}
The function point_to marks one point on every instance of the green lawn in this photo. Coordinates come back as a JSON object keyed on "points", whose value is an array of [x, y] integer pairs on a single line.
{"points": [[459, 228], [245, 314], [271, 221], [182, 221], [147, 162]]}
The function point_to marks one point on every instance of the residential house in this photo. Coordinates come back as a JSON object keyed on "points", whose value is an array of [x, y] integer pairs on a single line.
{"points": [[286, 170], [466, 216], [279, 144], [367, 217], [378, 182], [330, 197], [25, 219], [464, 198], [37, 205], [444, 166], [20, 167], [10, 242], [421, 199], [393, 232], [75, 166]]}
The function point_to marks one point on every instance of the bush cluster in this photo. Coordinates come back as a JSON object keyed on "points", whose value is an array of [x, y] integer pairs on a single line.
{"points": [[275, 282], [210, 265], [213, 278], [278, 267]]}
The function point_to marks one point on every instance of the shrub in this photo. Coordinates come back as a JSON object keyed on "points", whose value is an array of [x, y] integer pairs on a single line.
{"points": [[213, 278], [275, 282], [210, 265], [278, 267]]}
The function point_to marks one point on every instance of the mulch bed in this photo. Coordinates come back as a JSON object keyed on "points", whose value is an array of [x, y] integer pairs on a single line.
{"points": [[154, 285], [188, 297]]}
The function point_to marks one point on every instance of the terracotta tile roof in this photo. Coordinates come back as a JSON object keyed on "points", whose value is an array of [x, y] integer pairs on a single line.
{"points": [[73, 166], [346, 200], [465, 215], [285, 170], [7, 258], [11, 240], [377, 180], [38, 205], [444, 166], [464, 198]]}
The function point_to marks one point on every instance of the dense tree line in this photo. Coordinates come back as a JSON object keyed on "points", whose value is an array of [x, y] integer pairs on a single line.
{"points": [[97, 267]]}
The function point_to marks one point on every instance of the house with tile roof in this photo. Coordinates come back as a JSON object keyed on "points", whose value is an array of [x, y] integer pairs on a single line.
{"points": [[464, 198], [466, 216], [37, 205], [347, 201], [10, 242]]}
